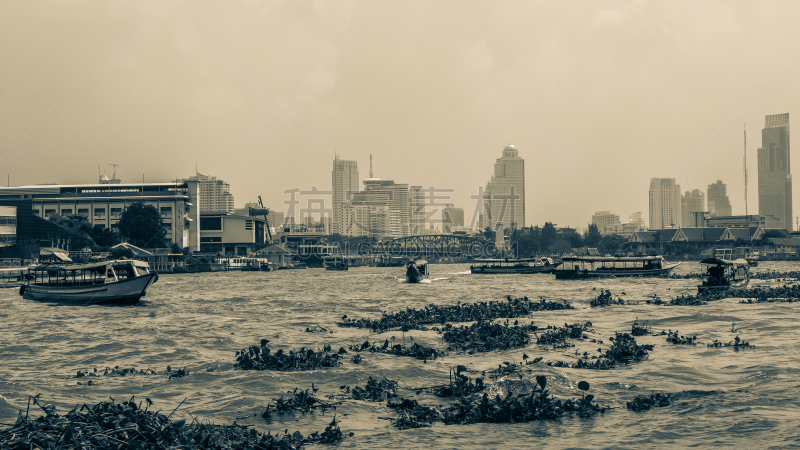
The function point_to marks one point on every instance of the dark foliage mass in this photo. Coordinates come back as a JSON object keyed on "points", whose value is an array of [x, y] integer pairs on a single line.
{"points": [[261, 358], [415, 350], [298, 400], [674, 338], [487, 336], [375, 390], [416, 319], [557, 336], [623, 350], [645, 402], [640, 329], [141, 224], [736, 343], [606, 299], [126, 425]]}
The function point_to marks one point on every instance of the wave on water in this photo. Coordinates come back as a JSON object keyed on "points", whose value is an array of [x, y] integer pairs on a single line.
{"points": [[7, 410], [466, 272]]}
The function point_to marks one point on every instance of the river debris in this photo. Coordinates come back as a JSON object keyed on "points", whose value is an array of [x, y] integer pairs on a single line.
{"points": [[486, 336], [460, 385], [262, 358], [416, 319], [300, 400], [606, 299], [737, 343], [768, 294], [376, 390], [412, 414], [317, 329], [645, 402], [416, 350], [126, 425], [519, 408], [638, 329], [557, 336], [623, 350], [777, 276], [674, 338], [117, 371]]}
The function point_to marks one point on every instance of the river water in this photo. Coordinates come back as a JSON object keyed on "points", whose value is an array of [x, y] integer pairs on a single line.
{"points": [[744, 398]]}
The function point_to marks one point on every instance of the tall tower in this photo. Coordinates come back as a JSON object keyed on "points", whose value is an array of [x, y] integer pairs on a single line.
{"points": [[665, 203], [719, 205], [344, 181], [692, 202], [416, 198], [505, 192], [774, 174]]}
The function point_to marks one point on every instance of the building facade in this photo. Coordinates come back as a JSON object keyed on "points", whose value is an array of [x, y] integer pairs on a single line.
{"points": [[230, 234], [215, 195], [391, 205], [718, 202], [8, 225], [774, 170], [505, 193], [103, 204], [452, 218], [417, 213], [665, 203], [344, 180], [607, 222], [691, 202]]}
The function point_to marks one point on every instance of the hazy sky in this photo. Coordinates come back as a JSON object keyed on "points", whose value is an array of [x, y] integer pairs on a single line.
{"points": [[598, 96]]}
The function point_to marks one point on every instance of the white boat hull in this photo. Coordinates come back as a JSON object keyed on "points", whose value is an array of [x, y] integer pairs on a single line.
{"points": [[125, 292]]}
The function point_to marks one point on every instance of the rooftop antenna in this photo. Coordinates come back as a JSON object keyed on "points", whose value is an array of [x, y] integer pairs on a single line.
{"points": [[115, 170], [370, 165], [746, 213]]}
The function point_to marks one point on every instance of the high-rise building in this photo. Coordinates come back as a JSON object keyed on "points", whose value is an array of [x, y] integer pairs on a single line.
{"points": [[665, 203], [719, 205], [215, 195], [417, 213], [396, 198], [344, 182], [505, 192], [607, 222], [774, 174], [691, 202], [452, 218]]}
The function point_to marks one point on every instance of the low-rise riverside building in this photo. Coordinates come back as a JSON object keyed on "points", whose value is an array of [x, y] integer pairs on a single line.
{"points": [[231, 235], [701, 238]]}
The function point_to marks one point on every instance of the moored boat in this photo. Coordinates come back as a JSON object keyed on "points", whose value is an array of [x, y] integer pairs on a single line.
{"points": [[119, 282], [13, 277], [507, 265], [416, 271], [724, 274], [617, 266]]}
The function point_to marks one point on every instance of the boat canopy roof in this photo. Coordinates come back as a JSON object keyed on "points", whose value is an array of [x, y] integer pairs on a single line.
{"points": [[421, 262], [98, 266], [612, 258], [724, 262], [508, 260]]}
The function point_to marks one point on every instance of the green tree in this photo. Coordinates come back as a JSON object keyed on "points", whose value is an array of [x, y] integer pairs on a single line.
{"points": [[106, 237], [611, 244], [592, 236], [75, 224], [560, 246], [141, 225], [548, 236]]}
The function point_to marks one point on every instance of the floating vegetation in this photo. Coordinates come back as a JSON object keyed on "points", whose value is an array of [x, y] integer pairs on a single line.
{"points": [[674, 338], [688, 300], [416, 350], [416, 319], [299, 400], [606, 299], [623, 350], [412, 414], [775, 275], [109, 424], [375, 390], [557, 336], [317, 329], [521, 408], [460, 385], [737, 343], [645, 402], [638, 329], [768, 294], [261, 358], [116, 372], [487, 336]]}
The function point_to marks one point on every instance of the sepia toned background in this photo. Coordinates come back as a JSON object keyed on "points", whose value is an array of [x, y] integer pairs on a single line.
{"points": [[599, 97]]}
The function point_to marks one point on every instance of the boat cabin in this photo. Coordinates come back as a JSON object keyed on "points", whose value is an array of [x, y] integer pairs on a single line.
{"points": [[509, 263], [611, 264], [725, 274], [87, 274], [335, 262]]}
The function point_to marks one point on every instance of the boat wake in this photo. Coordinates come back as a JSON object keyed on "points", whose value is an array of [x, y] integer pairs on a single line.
{"points": [[466, 272]]}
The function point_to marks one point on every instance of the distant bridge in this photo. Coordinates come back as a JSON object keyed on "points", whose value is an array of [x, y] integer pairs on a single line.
{"points": [[438, 245]]}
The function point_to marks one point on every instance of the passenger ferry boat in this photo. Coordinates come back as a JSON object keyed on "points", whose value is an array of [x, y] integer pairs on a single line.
{"points": [[247, 263], [335, 263], [723, 274], [732, 254], [618, 266], [416, 271], [119, 282], [529, 265], [13, 277]]}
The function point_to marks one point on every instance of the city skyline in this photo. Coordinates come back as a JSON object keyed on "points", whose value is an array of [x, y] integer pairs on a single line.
{"points": [[265, 117]]}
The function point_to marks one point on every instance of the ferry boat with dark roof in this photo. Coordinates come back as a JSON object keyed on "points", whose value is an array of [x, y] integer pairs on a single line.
{"points": [[607, 266], [508, 265]]}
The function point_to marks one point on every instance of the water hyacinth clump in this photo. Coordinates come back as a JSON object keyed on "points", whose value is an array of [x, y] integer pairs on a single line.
{"points": [[638, 329], [674, 338], [415, 350], [460, 385], [126, 425], [262, 358], [557, 336], [623, 350], [606, 299], [486, 336], [737, 343], [300, 400], [416, 319], [645, 402], [376, 390]]}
